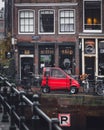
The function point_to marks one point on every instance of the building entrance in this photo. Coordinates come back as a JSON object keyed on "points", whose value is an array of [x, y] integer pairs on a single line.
{"points": [[26, 66], [90, 66]]}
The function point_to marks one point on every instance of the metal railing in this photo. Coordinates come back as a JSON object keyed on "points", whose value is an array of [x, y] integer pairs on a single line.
{"points": [[15, 105]]}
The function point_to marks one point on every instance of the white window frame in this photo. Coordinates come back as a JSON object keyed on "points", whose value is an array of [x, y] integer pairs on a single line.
{"points": [[19, 22], [39, 21], [73, 32], [92, 31]]}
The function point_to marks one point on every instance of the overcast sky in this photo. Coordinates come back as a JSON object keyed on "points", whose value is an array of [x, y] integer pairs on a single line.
{"points": [[1, 4]]}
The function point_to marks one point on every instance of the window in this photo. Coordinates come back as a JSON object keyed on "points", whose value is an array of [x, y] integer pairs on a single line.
{"points": [[46, 21], [26, 21], [57, 73], [100, 58], [1, 14], [66, 20], [92, 15]]}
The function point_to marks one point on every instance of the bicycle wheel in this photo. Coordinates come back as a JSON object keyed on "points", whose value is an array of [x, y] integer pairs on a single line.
{"points": [[100, 89], [86, 87]]}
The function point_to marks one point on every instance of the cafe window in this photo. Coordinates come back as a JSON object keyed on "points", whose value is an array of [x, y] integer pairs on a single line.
{"points": [[66, 58], [46, 57], [92, 15]]}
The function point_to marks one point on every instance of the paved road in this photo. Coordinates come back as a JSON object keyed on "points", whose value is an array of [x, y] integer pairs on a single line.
{"points": [[4, 125]]}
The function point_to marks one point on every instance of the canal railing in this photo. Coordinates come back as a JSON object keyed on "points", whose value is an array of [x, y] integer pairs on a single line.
{"points": [[23, 110]]}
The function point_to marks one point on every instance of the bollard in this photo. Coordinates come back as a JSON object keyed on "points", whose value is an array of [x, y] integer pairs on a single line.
{"points": [[12, 101], [54, 121], [22, 105], [0, 108], [5, 117], [35, 117]]}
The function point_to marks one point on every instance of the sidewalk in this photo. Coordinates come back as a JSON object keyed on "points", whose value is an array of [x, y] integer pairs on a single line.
{"points": [[4, 125]]}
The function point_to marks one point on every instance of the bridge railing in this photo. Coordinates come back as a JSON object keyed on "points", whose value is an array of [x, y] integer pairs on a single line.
{"points": [[23, 109]]}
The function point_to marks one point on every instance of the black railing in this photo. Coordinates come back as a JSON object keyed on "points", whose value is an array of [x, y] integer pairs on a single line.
{"points": [[23, 109]]}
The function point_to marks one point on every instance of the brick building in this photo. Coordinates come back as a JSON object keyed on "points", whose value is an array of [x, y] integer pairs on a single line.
{"points": [[51, 33]]}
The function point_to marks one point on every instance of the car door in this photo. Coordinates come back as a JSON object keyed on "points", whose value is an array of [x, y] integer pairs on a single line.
{"points": [[57, 80]]}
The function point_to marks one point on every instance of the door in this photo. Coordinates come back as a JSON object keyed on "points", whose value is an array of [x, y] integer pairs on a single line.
{"points": [[57, 79], [26, 66], [90, 67]]}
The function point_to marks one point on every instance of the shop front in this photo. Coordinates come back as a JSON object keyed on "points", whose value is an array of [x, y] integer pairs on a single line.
{"points": [[92, 52], [32, 57]]}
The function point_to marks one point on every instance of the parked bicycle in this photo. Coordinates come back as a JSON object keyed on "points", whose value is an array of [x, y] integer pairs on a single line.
{"points": [[85, 82], [99, 86]]}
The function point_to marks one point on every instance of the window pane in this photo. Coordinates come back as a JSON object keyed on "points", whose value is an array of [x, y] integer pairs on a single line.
{"points": [[31, 21], [26, 21], [31, 28], [66, 13], [62, 13], [31, 14], [67, 28], [26, 29], [62, 28], [22, 29], [71, 20], [22, 22], [26, 14], [71, 28], [62, 21], [67, 20], [22, 14], [71, 14]]}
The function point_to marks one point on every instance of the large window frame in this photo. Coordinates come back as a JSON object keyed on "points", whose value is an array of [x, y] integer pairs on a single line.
{"points": [[92, 15], [49, 27], [66, 21], [26, 22]]}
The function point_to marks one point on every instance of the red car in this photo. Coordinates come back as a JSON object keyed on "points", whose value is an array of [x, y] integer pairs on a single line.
{"points": [[55, 78]]}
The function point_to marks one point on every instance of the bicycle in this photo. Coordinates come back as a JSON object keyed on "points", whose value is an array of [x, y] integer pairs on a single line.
{"points": [[99, 86], [85, 82]]}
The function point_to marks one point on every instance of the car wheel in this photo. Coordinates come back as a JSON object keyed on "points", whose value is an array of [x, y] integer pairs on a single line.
{"points": [[73, 90], [45, 89]]}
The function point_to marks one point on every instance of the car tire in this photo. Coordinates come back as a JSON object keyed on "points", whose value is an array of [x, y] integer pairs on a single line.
{"points": [[45, 89], [73, 90]]}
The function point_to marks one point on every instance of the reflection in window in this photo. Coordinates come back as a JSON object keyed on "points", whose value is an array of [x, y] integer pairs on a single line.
{"points": [[57, 73], [92, 15], [47, 21], [26, 21], [66, 18]]}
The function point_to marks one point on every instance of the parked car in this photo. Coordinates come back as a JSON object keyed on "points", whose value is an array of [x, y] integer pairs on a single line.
{"points": [[54, 78]]}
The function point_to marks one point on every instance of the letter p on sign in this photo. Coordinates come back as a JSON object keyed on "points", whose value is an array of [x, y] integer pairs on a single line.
{"points": [[64, 119]]}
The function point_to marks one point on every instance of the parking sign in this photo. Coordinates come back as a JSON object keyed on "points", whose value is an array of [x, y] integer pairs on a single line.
{"points": [[64, 119]]}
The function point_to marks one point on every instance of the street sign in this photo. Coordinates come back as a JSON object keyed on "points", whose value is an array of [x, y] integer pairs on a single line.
{"points": [[64, 119]]}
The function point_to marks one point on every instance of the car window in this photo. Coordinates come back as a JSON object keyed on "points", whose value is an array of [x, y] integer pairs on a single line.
{"points": [[57, 73]]}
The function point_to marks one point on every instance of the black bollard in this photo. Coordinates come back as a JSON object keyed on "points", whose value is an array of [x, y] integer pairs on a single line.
{"points": [[22, 105], [5, 117], [0, 108], [35, 117], [53, 121], [12, 101]]}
